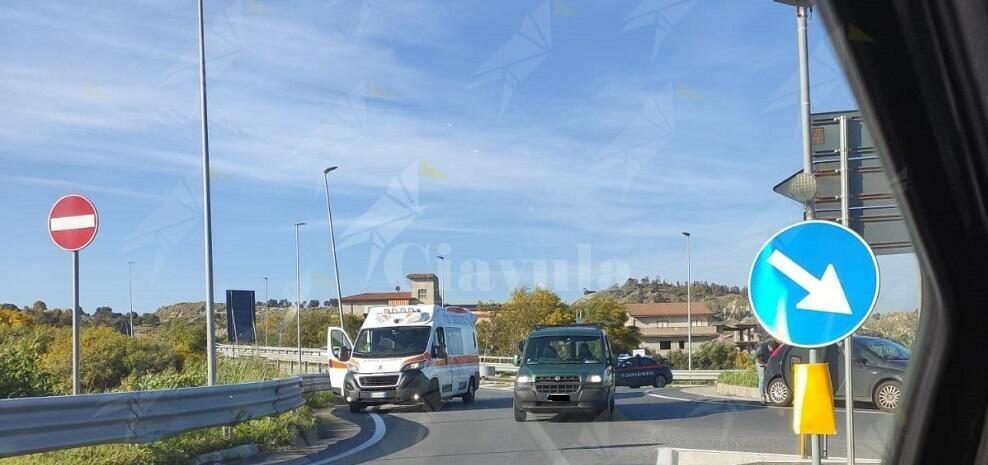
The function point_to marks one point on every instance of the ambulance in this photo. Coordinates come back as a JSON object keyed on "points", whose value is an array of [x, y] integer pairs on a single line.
{"points": [[410, 354]]}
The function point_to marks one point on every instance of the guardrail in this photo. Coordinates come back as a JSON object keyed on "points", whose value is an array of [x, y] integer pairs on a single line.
{"points": [[46, 423], [678, 375], [500, 364], [284, 354]]}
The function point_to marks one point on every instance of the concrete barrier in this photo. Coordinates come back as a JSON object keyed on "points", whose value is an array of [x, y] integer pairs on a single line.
{"points": [[737, 391]]}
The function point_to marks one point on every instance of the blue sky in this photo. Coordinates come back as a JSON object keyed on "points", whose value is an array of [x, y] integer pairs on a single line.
{"points": [[562, 143]]}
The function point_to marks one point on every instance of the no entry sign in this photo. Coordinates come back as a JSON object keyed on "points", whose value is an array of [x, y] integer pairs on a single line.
{"points": [[72, 222]]}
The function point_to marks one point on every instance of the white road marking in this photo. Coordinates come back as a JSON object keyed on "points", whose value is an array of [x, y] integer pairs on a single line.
{"points": [[66, 223], [498, 387], [379, 431]]}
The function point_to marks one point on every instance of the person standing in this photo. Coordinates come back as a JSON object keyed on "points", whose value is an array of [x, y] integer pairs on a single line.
{"points": [[762, 354]]}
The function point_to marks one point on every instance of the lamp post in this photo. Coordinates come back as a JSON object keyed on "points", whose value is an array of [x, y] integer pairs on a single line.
{"points": [[130, 294], [802, 16], [206, 212], [298, 299], [332, 238], [689, 306], [267, 310], [442, 280]]}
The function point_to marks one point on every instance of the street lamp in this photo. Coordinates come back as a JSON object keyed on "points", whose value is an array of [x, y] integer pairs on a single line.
{"points": [[442, 280], [298, 298], [689, 306], [206, 211], [130, 294], [332, 238], [267, 311], [802, 15]]}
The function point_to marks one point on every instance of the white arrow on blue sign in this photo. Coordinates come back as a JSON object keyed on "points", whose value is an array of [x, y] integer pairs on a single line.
{"points": [[813, 283]]}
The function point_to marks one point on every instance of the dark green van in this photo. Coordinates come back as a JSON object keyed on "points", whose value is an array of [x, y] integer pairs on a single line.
{"points": [[565, 369]]}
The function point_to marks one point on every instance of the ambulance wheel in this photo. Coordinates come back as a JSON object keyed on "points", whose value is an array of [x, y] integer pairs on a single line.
{"points": [[356, 407], [520, 415], [433, 399], [471, 393]]}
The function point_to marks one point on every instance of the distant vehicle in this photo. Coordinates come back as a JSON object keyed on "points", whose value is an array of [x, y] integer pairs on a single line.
{"points": [[641, 371], [878, 367], [412, 354], [565, 369]]}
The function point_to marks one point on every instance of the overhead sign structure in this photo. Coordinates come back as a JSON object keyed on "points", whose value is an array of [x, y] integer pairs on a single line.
{"points": [[240, 318], [843, 139], [813, 283], [72, 222], [72, 225]]}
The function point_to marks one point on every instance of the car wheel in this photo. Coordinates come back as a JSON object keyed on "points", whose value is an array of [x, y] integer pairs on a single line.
{"points": [[470, 394], [660, 381], [887, 395], [355, 407], [779, 393], [520, 415], [610, 408]]}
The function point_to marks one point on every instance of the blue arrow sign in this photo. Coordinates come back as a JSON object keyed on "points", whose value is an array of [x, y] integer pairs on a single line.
{"points": [[813, 283]]}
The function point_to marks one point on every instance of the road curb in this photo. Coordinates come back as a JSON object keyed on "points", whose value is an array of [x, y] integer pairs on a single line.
{"points": [[677, 456]]}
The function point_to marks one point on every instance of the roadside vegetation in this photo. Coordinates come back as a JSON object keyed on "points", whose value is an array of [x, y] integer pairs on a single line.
{"points": [[35, 360], [512, 321], [746, 378]]}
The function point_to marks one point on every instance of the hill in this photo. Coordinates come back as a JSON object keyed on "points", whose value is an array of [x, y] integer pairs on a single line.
{"points": [[728, 303], [900, 327]]}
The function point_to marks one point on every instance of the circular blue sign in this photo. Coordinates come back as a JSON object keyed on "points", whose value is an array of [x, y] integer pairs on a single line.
{"points": [[813, 283]]}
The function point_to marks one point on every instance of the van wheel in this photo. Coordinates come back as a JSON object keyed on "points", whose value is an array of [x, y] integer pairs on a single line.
{"points": [[356, 407], [471, 393], [433, 399], [520, 415], [779, 393]]}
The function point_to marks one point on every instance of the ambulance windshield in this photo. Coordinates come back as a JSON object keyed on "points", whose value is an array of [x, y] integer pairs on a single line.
{"points": [[391, 342]]}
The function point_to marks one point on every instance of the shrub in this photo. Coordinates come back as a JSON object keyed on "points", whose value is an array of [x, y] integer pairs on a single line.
{"points": [[747, 378], [20, 375]]}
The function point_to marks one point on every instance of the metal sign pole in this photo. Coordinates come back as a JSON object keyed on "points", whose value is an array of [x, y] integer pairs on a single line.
{"points": [[845, 218], [76, 322], [814, 438]]}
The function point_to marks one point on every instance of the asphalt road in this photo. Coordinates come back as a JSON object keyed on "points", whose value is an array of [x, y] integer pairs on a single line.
{"points": [[486, 433]]}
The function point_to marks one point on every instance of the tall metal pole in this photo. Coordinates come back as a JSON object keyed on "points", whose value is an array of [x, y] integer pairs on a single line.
{"points": [[845, 218], [332, 238], [802, 14], [298, 298], [130, 293], [689, 306], [267, 311], [442, 280], [76, 322], [206, 213]]}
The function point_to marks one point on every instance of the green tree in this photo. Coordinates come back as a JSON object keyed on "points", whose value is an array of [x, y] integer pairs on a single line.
{"points": [[715, 355], [612, 315], [526, 309]]}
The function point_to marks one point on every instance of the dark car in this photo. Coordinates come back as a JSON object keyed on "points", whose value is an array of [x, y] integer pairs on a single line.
{"points": [[641, 371], [565, 369], [878, 366]]}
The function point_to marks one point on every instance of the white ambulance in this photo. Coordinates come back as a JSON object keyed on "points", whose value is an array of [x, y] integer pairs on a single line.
{"points": [[411, 354]]}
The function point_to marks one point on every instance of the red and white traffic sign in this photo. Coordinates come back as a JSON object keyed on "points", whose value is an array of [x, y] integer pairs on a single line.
{"points": [[72, 222]]}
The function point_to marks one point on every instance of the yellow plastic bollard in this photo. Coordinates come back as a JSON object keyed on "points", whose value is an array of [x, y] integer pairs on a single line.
{"points": [[813, 400]]}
